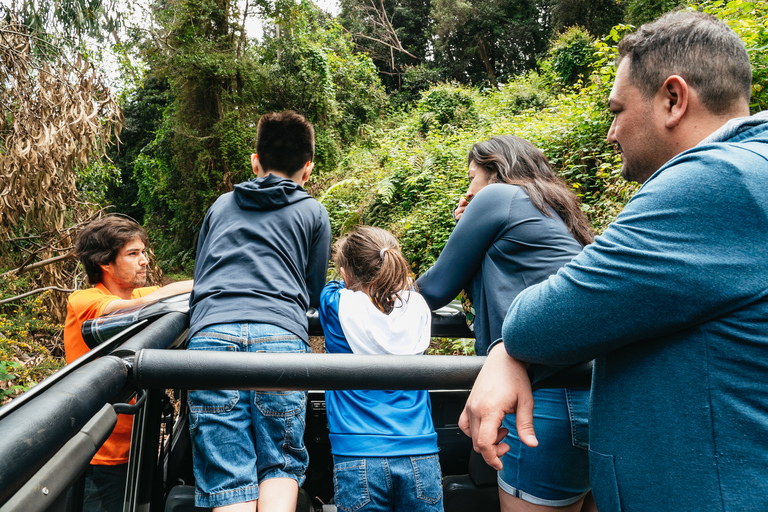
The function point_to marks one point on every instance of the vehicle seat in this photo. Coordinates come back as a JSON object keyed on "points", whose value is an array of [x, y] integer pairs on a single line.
{"points": [[182, 499], [478, 490]]}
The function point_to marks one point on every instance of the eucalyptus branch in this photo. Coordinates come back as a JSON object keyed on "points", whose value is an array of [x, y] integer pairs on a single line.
{"points": [[34, 292], [389, 45], [42, 263]]}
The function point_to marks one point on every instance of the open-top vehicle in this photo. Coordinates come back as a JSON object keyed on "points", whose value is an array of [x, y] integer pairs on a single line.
{"points": [[49, 434]]}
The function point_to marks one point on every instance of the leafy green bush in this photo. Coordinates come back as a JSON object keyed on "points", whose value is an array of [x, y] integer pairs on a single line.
{"points": [[408, 174], [446, 105], [527, 91], [572, 55], [31, 345], [750, 21]]}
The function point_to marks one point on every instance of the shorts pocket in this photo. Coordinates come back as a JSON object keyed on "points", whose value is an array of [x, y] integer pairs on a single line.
{"points": [[281, 404], [212, 401], [605, 486], [426, 471], [350, 485]]}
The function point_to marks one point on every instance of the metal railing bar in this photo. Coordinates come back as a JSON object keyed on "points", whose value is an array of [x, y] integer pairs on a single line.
{"points": [[192, 369], [100, 351], [41, 491]]}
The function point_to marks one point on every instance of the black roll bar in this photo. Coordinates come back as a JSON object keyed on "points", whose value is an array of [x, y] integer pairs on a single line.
{"points": [[51, 418], [54, 417], [192, 369]]}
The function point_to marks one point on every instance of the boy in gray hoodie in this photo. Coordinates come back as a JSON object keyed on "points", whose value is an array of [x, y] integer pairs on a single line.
{"points": [[262, 259]]}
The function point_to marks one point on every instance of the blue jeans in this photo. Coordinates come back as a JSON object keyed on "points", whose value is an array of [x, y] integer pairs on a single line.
{"points": [[555, 473], [386, 484], [241, 438]]}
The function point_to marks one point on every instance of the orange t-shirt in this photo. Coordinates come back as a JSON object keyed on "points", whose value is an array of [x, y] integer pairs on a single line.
{"points": [[86, 305]]}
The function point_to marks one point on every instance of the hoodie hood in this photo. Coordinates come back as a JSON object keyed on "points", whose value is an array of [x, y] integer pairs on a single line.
{"points": [[739, 129], [405, 331], [268, 193]]}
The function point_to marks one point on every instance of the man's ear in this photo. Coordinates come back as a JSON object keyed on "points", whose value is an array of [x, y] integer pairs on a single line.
{"points": [[106, 269], [306, 171], [255, 164], [675, 96]]}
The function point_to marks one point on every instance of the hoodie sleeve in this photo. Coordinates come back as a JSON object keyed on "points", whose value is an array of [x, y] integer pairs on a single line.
{"points": [[335, 342], [319, 255], [689, 247], [485, 217], [199, 255]]}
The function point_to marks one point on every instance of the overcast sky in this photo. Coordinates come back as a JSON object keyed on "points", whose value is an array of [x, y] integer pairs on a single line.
{"points": [[253, 25]]}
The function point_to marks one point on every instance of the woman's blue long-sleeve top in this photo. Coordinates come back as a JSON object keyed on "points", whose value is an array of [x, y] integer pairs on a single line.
{"points": [[501, 245]]}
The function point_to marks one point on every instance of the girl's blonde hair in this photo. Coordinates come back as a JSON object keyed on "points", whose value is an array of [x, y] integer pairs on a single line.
{"points": [[372, 260]]}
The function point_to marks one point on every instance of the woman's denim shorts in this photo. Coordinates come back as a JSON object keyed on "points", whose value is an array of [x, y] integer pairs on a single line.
{"points": [[383, 484], [555, 473], [240, 438]]}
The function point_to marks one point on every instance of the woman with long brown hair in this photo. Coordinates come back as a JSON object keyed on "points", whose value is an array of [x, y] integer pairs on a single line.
{"points": [[517, 225]]}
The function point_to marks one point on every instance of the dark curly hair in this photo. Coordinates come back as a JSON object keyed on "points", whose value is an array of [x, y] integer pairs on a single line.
{"points": [[101, 240]]}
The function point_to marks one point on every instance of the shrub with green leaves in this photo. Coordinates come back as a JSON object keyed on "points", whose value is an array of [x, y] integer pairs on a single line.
{"points": [[446, 104], [31, 345], [572, 55]]}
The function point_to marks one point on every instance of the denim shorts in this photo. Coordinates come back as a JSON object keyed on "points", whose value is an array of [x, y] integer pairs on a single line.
{"points": [[555, 473], [373, 484], [240, 438]]}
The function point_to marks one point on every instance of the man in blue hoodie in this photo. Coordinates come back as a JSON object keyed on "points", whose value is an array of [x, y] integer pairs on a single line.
{"points": [[262, 259], [672, 300]]}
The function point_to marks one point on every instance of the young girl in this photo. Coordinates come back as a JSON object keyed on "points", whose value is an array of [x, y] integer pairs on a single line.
{"points": [[383, 442]]}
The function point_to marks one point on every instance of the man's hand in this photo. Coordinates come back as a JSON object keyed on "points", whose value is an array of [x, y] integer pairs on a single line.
{"points": [[459, 211], [501, 388]]}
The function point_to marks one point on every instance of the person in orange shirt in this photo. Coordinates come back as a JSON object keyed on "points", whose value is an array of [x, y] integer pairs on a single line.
{"points": [[112, 250]]}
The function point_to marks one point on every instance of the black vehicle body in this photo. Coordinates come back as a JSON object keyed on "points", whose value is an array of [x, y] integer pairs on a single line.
{"points": [[49, 434]]}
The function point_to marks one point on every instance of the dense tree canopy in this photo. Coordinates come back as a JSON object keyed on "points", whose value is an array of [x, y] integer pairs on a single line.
{"points": [[398, 91]]}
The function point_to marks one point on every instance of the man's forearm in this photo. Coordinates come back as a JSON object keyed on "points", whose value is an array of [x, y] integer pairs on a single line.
{"points": [[166, 291]]}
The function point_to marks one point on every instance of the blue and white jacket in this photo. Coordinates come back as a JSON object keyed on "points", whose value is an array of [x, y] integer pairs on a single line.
{"points": [[377, 423]]}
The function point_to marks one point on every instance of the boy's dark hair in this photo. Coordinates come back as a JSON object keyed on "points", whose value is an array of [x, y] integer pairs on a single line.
{"points": [[285, 142], [101, 240], [702, 49], [372, 259]]}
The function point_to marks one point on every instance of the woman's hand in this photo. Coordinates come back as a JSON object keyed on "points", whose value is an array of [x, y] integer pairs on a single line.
{"points": [[501, 388], [459, 211]]}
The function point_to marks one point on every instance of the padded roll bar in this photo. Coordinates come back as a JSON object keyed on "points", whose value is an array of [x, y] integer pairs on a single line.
{"points": [[53, 418], [192, 369]]}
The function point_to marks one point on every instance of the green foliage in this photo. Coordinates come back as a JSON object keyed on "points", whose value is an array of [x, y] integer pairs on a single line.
{"points": [[94, 180], [487, 42], [408, 175], [527, 91], [219, 84], [750, 21], [30, 344], [596, 16], [452, 347], [8, 370], [143, 110], [411, 26], [572, 55], [446, 105], [644, 11]]}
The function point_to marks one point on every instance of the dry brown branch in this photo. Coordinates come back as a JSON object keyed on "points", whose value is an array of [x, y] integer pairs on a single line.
{"points": [[56, 118], [26, 268], [34, 292], [375, 17]]}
